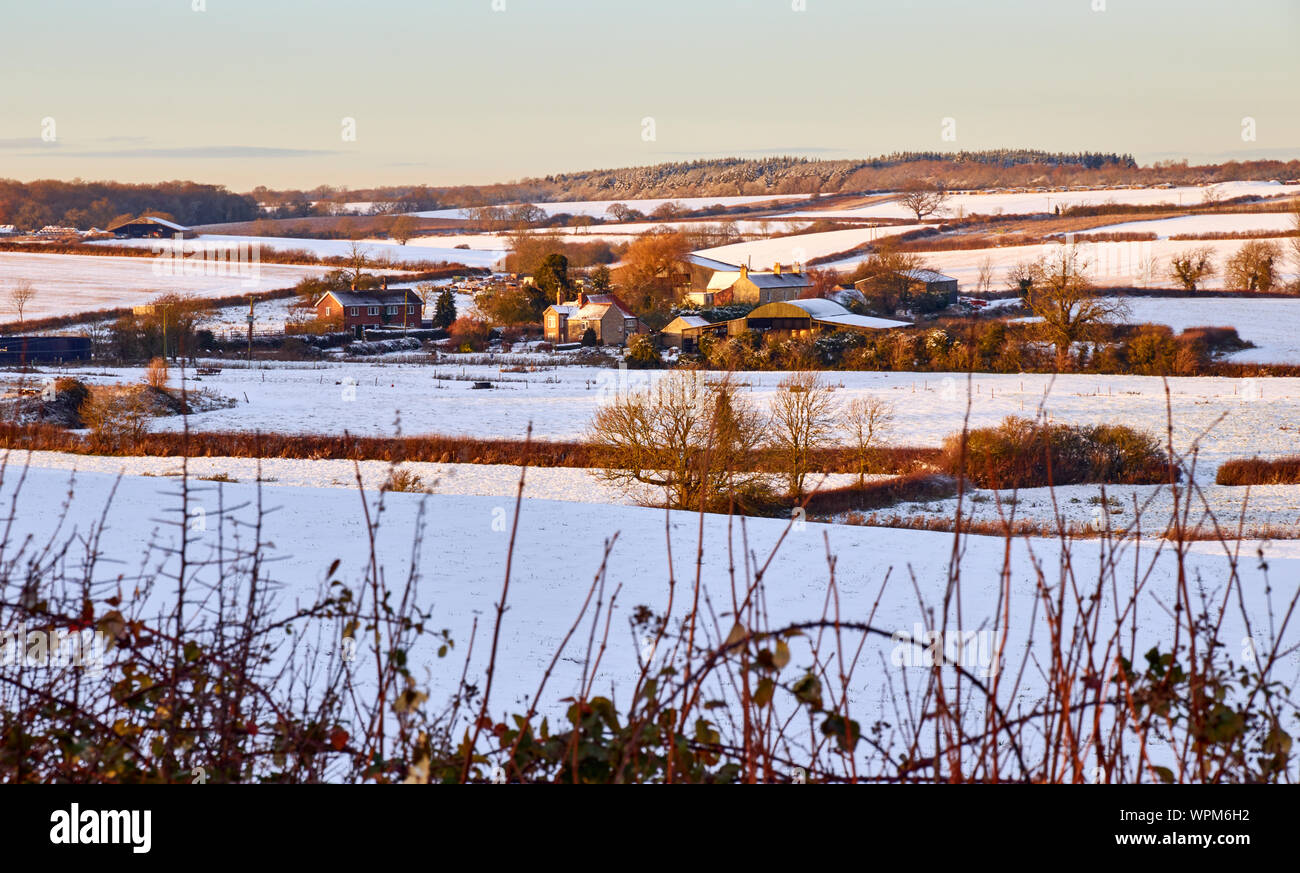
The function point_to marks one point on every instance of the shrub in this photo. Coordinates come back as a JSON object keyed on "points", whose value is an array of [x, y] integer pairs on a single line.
{"points": [[1020, 453], [116, 417], [155, 375], [1258, 471], [589, 337], [642, 354], [469, 334]]}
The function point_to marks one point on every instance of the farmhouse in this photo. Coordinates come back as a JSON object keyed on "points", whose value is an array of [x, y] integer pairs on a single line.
{"points": [[149, 227], [357, 310], [610, 318], [743, 286]]}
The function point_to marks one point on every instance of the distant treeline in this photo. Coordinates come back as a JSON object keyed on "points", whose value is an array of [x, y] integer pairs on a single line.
{"points": [[724, 177], [33, 205]]}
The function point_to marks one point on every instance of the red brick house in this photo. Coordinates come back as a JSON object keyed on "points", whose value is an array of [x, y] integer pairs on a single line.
{"points": [[354, 310]]}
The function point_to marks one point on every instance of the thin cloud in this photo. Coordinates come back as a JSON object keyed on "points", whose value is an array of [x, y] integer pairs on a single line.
{"points": [[204, 153]]}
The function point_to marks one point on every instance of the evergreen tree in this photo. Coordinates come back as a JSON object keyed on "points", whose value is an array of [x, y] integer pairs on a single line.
{"points": [[444, 311]]}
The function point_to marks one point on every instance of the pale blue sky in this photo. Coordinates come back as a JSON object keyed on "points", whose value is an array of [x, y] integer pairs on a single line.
{"points": [[450, 91]]}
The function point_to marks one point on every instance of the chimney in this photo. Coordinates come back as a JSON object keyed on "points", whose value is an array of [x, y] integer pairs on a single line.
{"points": [[559, 298], [744, 271], [582, 298], [776, 268], [385, 281]]}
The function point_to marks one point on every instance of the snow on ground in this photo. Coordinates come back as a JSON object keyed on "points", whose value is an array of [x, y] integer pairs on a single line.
{"points": [[381, 250], [66, 284], [1269, 323], [570, 484], [1116, 264], [1046, 201], [559, 548], [1249, 416], [1199, 224], [1144, 509], [762, 253], [599, 208]]}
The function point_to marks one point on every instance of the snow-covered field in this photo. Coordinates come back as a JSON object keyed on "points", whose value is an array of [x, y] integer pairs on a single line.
{"points": [[1243, 417], [1268, 323], [599, 208], [762, 253], [1118, 264], [559, 548], [1046, 201], [65, 284], [380, 250], [1196, 224]]}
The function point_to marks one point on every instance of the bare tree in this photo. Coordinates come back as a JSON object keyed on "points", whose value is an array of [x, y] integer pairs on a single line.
{"points": [[984, 281], [21, 294], [1295, 237], [1070, 308], [1191, 267], [691, 438], [923, 198], [804, 412], [1148, 269], [866, 420]]}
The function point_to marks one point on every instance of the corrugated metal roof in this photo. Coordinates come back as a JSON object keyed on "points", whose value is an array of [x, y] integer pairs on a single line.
{"points": [[927, 276], [711, 263]]}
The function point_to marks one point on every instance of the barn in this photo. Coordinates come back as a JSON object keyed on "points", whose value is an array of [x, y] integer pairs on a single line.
{"points": [[149, 227], [813, 315], [22, 350]]}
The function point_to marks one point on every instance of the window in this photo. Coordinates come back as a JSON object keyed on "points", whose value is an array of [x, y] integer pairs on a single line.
{"points": [[392, 310], [328, 310], [372, 310], [356, 310]]}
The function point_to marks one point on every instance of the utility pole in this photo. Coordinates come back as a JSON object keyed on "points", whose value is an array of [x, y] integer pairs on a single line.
{"points": [[250, 331]]}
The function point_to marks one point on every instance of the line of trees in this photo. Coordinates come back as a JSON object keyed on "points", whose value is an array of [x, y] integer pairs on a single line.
{"points": [[32, 205], [695, 436]]}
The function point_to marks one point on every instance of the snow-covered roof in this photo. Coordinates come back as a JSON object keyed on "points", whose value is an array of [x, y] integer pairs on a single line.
{"points": [[830, 312], [927, 276], [686, 321], [724, 279], [594, 307], [711, 263], [164, 222], [371, 298]]}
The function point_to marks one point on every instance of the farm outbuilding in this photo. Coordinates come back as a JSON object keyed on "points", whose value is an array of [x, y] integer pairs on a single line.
{"points": [[931, 283], [684, 332], [150, 227], [803, 317], [43, 349]]}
